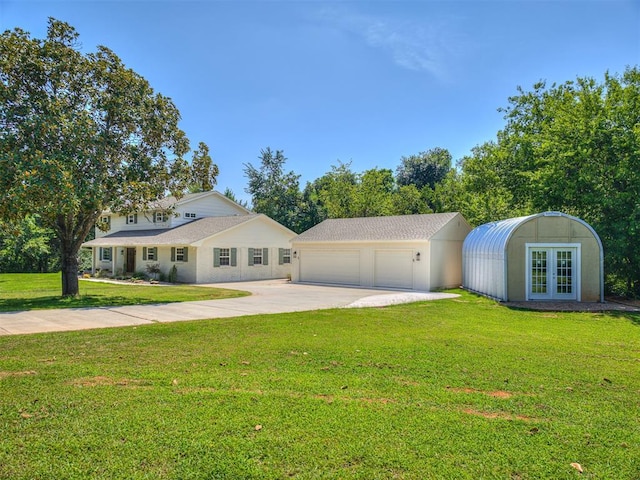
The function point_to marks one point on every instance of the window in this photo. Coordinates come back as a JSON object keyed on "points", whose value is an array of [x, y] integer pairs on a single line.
{"points": [[105, 254], [149, 253], [189, 215], [132, 218], [285, 256], [179, 254], [105, 219], [258, 256], [225, 257], [160, 217]]}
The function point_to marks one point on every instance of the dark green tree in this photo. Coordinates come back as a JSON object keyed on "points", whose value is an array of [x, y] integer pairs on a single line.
{"points": [[232, 196], [573, 147], [274, 192], [80, 133], [27, 246], [425, 169], [204, 172]]}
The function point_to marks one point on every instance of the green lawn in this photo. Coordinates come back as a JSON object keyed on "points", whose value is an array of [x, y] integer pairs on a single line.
{"points": [[28, 291], [449, 389]]}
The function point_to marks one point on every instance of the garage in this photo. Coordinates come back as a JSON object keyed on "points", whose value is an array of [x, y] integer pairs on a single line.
{"points": [[393, 268], [329, 266], [548, 256], [408, 252]]}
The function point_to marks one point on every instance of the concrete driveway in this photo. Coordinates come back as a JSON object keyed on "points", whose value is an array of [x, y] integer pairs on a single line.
{"points": [[269, 296]]}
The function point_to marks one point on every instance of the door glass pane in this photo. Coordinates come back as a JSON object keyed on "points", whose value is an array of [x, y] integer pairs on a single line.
{"points": [[539, 271], [564, 272]]}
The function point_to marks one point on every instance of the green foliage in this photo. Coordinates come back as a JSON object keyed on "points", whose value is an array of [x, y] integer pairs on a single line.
{"points": [[153, 269], [30, 291], [232, 196], [85, 127], [172, 277], [453, 389], [574, 148], [27, 246], [140, 276], [274, 192], [203, 171], [425, 169]]}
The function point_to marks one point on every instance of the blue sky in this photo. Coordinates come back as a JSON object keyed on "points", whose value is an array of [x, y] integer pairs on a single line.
{"points": [[351, 81]]}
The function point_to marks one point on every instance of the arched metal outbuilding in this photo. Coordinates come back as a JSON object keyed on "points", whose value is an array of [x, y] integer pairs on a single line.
{"points": [[546, 256]]}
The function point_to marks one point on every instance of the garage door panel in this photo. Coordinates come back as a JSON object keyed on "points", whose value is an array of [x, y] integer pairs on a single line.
{"points": [[393, 268], [330, 266]]}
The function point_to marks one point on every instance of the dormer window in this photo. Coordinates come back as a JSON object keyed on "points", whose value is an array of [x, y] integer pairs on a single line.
{"points": [[105, 219], [132, 218], [160, 217], [189, 215]]}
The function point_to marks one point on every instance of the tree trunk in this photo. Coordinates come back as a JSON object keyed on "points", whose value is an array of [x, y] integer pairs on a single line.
{"points": [[70, 286]]}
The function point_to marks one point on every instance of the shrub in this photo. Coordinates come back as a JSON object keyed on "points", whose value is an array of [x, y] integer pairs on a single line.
{"points": [[153, 269], [139, 276], [173, 275]]}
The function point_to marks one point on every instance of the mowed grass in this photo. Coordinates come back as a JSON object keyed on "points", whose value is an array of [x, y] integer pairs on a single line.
{"points": [[28, 291], [452, 389]]}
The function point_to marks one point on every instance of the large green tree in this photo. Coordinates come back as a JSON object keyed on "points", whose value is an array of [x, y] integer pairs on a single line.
{"points": [[426, 169], [273, 191], [80, 133], [573, 147], [204, 172]]}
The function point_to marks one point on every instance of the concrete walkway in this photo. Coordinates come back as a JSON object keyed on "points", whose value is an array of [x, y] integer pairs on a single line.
{"points": [[269, 296]]}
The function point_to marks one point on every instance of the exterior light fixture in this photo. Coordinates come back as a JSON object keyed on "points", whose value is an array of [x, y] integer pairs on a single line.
{"points": [[417, 256]]}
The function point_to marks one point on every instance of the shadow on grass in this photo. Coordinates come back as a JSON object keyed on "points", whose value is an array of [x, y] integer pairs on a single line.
{"points": [[631, 316], [82, 301]]}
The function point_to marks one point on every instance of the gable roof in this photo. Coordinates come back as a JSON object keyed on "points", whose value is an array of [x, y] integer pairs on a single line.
{"points": [[169, 202], [187, 234], [376, 229]]}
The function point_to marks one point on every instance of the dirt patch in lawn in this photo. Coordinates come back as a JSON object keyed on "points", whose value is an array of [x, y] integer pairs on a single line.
{"points": [[17, 374], [498, 415], [100, 381], [494, 393]]}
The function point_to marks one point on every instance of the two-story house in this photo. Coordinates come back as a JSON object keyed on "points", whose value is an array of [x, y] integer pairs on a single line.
{"points": [[208, 237]]}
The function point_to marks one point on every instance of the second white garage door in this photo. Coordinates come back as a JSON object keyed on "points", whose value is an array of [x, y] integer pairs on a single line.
{"points": [[330, 266], [393, 268]]}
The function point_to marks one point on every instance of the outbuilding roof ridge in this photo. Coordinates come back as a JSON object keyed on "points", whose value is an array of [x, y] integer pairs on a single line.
{"points": [[382, 228]]}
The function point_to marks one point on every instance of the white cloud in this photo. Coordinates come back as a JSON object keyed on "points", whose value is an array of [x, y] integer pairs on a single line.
{"points": [[420, 45]]}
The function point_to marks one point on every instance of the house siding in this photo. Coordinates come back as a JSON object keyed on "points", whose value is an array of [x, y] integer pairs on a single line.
{"points": [[261, 233]]}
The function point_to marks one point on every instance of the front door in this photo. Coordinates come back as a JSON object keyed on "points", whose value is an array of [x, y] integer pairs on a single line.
{"points": [[552, 273], [130, 263]]}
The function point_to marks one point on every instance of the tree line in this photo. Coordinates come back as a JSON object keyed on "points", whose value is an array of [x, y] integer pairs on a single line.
{"points": [[572, 147], [81, 133]]}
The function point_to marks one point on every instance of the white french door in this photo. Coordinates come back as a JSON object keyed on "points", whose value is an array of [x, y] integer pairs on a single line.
{"points": [[553, 272]]}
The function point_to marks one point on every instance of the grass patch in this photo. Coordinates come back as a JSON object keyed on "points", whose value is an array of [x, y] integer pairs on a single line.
{"points": [[458, 388], [31, 291]]}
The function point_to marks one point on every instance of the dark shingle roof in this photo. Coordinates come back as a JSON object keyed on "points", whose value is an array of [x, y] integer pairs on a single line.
{"points": [[375, 229], [187, 234]]}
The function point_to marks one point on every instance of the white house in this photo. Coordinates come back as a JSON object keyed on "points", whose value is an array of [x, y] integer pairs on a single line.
{"points": [[416, 252], [208, 237]]}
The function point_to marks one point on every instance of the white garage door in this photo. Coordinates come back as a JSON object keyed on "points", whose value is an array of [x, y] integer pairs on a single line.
{"points": [[393, 268], [330, 266]]}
